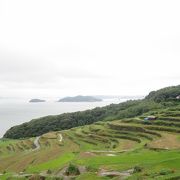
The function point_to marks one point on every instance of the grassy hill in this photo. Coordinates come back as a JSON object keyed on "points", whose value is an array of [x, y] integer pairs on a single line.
{"points": [[127, 147]]}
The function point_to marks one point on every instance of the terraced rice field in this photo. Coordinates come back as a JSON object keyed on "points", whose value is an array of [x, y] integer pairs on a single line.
{"points": [[119, 146]]}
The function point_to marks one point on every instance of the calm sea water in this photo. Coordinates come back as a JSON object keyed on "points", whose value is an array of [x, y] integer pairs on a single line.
{"points": [[14, 112]]}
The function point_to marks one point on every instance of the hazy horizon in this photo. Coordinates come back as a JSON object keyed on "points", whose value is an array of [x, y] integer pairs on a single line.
{"points": [[63, 96], [66, 48]]}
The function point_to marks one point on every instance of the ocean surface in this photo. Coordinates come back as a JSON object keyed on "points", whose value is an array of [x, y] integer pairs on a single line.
{"points": [[17, 111]]}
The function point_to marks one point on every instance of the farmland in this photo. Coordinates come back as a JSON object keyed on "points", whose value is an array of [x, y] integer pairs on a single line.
{"points": [[117, 145]]}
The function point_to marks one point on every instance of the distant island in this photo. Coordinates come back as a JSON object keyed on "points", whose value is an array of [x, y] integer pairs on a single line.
{"points": [[80, 99], [36, 100]]}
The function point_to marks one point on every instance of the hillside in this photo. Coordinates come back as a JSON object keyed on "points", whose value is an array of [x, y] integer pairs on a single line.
{"points": [[127, 109], [80, 99], [126, 148], [165, 94]]}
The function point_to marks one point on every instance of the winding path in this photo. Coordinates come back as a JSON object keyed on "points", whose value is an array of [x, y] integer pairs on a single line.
{"points": [[60, 137], [36, 144], [125, 150]]}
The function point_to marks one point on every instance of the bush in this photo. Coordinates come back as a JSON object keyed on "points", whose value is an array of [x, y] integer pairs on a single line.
{"points": [[137, 169], [72, 170], [49, 171]]}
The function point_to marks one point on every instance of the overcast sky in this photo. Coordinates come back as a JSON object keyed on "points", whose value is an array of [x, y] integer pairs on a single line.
{"points": [[55, 48]]}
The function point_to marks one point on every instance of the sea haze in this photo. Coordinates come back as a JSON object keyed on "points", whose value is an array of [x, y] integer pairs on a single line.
{"points": [[17, 111]]}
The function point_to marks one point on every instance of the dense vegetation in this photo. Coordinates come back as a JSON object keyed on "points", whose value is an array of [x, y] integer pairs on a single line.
{"points": [[155, 100], [165, 94]]}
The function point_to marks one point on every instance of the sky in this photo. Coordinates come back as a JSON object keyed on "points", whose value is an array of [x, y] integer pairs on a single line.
{"points": [[51, 48]]}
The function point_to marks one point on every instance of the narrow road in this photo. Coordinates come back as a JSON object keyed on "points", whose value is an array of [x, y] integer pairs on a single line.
{"points": [[36, 144], [60, 137], [123, 174], [110, 151]]}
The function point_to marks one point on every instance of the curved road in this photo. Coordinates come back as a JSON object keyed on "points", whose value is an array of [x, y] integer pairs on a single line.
{"points": [[60, 137], [37, 145]]}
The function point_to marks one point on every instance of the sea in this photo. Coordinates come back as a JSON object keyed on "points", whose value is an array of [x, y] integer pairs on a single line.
{"points": [[14, 111]]}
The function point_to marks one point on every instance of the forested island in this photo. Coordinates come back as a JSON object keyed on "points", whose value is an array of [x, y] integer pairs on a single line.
{"points": [[80, 99], [36, 100]]}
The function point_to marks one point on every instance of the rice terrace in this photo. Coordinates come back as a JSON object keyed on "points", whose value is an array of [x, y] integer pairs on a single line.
{"points": [[134, 140]]}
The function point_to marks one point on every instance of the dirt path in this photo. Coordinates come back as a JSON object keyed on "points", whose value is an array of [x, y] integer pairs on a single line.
{"points": [[36, 144], [60, 137], [122, 174], [99, 151]]}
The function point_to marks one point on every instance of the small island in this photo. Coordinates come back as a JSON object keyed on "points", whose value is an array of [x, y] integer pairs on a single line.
{"points": [[36, 100], [80, 99]]}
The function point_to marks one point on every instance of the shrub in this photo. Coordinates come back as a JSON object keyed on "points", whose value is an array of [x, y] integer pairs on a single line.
{"points": [[72, 170], [137, 169], [49, 171]]}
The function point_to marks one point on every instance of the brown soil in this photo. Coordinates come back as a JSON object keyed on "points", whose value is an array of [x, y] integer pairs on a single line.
{"points": [[167, 141], [86, 154]]}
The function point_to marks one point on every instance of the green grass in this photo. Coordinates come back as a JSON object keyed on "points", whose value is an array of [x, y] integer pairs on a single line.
{"points": [[52, 164], [146, 158], [5, 176]]}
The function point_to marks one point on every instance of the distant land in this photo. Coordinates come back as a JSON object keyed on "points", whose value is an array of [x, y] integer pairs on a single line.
{"points": [[36, 100], [80, 99], [118, 97]]}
